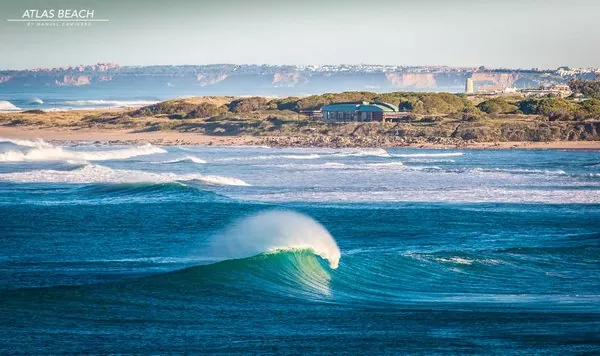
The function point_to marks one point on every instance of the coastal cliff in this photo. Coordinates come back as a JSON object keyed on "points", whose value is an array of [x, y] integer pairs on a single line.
{"points": [[231, 79]]}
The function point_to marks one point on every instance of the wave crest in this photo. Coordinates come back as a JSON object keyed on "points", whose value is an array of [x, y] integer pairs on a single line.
{"points": [[276, 231], [375, 152], [192, 159], [38, 143], [8, 106], [44, 151], [92, 173]]}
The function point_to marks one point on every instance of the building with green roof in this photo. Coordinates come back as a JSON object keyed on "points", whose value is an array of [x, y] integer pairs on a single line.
{"points": [[359, 111]]}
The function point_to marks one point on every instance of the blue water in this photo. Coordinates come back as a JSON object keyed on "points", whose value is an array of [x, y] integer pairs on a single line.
{"points": [[123, 249], [81, 98]]}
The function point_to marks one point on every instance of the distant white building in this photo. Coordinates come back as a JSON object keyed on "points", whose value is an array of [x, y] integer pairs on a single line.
{"points": [[470, 86]]}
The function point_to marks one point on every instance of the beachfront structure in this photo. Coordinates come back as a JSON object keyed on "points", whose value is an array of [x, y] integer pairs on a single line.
{"points": [[360, 111], [560, 90]]}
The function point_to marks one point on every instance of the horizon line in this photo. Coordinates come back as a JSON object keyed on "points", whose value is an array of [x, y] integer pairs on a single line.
{"points": [[302, 65]]}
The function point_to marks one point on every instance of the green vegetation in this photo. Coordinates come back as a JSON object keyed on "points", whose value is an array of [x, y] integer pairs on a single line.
{"points": [[245, 105], [561, 109], [498, 106], [171, 107], [587, 88], [418, 103], [204, 110], [428, 118], [429, 106]]}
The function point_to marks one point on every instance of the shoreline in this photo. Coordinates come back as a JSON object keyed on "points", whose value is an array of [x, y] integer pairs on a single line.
{"points": [[170, 138]]}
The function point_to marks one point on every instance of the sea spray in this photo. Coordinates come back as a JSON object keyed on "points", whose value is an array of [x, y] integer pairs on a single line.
{"points": [[274, 231], [8, 106], [37, 143], [43, 151]]}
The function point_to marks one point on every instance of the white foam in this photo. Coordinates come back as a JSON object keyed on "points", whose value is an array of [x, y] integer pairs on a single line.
{"points": [[268, 157], [93, 173], [430, 160], [519, 171], [35, 101], [386, 164], [449, 194], [192, 159], [42, 151], [8, 106], [456, 260], [39, 143], [273, 231], [447, 154], [334, 165], [376, 152], [110, 103], [344, 166]]}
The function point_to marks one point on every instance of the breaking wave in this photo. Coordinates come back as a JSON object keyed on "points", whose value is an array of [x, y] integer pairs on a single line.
{"points": [[92, 173], [192, 159], [43, 151], [275, 231], [35, 101], [386, 164], [8, 106], [376, 152], [39, 143]]}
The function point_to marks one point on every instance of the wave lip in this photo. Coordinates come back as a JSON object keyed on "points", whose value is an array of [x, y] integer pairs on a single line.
{"points": [[275, 231], [35, 101]]}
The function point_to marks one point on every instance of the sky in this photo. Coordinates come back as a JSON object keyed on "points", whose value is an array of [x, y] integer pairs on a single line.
{"points": [[493, 33]]}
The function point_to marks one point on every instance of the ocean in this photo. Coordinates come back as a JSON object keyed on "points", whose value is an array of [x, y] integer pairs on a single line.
{"points": [[189, 249], [78, 98]]}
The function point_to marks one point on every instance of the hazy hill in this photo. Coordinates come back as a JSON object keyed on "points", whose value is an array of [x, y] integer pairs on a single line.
{"points": [[230, 79]]}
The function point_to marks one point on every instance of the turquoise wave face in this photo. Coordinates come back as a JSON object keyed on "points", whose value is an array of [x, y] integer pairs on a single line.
{"points": [[262, 250]]}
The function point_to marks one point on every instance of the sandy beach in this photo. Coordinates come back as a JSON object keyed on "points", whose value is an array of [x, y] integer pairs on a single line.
{"points": [[188, 138]]}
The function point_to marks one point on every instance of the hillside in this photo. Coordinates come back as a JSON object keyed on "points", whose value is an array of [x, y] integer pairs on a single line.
{"points": [[429, 118]]}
